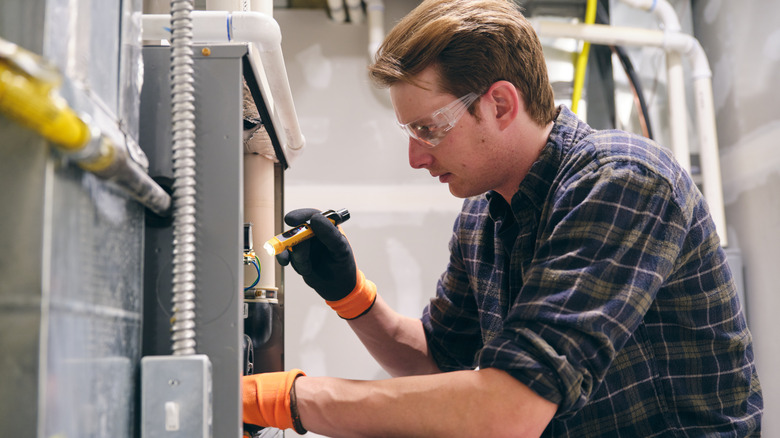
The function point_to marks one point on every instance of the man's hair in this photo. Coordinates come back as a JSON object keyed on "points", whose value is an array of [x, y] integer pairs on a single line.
{"points": [[472, 44]]}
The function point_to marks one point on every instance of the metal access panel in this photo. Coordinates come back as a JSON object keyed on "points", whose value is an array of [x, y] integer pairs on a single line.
{"points": [[71, 244], [219, 264]]}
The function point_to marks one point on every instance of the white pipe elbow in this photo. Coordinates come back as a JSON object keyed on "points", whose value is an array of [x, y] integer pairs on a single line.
{"points": [[667, 16], [645, 5], [256, 27], [662, 9], [689, 47], [700, 65]]}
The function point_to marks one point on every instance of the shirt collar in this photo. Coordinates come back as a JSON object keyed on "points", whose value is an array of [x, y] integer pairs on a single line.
{"points": [[567, 131]]}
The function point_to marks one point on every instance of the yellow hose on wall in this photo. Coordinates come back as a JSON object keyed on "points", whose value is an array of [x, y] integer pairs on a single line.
{"points": [[582, 59], [31, 101], [29, 96]]}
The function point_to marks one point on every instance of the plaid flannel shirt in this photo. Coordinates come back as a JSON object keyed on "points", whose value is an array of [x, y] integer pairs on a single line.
{"points": [[604, 289]]}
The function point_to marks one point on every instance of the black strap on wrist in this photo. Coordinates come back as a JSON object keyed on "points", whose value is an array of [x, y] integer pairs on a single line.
{"points": [[296, 416]]}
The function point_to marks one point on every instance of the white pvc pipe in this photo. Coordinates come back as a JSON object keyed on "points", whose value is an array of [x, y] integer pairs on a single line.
{"points": [[675, 79], [337, 11], [662, 9], [702, 81], [709, 154], [355, 11], [266, 38], [260, 181], [678, 109], [600, 33], [375, 9], [259, 210]]}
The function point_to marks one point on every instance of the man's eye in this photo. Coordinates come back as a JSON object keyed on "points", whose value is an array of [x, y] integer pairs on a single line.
{"points": [[425, 130]]}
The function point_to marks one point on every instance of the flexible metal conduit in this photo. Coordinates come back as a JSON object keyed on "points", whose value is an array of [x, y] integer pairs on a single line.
{"points": [[679, 43], [184, 208]]}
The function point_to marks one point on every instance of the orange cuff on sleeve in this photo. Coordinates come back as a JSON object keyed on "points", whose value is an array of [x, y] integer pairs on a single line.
{"points": [[358, 301], [266, 398]]}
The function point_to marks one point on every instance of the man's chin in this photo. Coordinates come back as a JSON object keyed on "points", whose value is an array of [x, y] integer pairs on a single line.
{"points": [[460, 192]]}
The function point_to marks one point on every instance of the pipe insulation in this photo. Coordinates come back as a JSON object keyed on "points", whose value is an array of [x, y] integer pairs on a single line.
{"points": [[263, 32], [701, 74], [259, 183], [184, 182]]}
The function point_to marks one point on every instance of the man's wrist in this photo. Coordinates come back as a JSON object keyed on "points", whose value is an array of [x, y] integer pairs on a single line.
{"points": [[358, 302], [296, 416]]}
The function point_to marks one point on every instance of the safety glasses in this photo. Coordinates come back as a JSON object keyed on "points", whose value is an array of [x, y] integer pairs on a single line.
{"points": [[431, 130]]}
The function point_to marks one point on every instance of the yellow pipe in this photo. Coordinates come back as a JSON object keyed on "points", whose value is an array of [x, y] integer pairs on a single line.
{"points": [[33, 103], [28, 95], [582, 59]]}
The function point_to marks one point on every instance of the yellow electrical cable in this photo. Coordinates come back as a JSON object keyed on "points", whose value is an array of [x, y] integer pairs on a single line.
{"points": [[32, 102], [582, 58]]}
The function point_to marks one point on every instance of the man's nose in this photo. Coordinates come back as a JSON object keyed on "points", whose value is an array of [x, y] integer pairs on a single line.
{"points": [[420, 156]]}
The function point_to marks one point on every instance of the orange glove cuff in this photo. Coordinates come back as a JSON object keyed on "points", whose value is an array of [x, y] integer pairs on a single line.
{"points": [[266, 398], [359, 301]]}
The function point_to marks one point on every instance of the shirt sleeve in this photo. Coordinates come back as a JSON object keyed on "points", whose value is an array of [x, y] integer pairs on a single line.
{"points": [[607, 240], [451, 321]]}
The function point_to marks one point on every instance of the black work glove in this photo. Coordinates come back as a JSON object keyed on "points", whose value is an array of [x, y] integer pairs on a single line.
{"points": [[325, 261]]}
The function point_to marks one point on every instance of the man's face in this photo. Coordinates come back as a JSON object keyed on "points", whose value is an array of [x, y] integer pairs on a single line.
{"points": [[465, 156]]}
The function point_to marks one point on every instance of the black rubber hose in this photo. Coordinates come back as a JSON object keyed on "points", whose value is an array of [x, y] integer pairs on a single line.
{"points": [[602, 17]]}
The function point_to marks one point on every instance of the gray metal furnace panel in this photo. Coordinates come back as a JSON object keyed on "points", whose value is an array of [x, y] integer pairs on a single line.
{"points": [[23, 165], [219, 265], [22, 22], [130, 66], [82, 40], [94, 307], [72, 245], [70, 299]]}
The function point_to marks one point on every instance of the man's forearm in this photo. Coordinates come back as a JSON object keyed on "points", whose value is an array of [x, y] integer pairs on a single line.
{"points": [[397, 342], [487, 402]]}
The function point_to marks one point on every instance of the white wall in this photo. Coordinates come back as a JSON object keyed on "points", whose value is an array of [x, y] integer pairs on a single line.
{"points": [[742, 41]]}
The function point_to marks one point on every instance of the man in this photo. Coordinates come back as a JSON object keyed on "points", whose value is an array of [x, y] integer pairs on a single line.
{"points": [[586, 294]]}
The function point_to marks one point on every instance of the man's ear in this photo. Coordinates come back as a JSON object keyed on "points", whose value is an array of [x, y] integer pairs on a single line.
{"points": [[506, 102]]}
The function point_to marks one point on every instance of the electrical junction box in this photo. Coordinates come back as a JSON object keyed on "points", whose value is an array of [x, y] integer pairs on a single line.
{"points": [[176, 397]]}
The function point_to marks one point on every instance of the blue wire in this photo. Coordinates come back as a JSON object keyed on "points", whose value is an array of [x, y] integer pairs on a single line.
{"points": [[257, 280]]}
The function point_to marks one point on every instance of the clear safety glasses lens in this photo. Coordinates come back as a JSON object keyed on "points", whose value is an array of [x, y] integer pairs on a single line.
{"points": [[431, 130]]}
